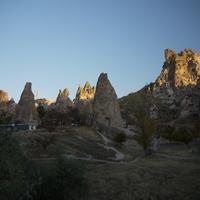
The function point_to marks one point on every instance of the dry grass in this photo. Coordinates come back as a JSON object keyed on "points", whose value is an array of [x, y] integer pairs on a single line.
{"points": [[151, 177]]}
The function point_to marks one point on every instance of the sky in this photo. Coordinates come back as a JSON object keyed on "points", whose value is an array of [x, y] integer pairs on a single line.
{"points": [[58, 44]]}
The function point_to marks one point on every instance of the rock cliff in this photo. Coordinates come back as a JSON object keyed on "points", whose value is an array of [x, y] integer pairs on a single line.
{"points": [[176, 92], [106, 108], [25, 110]]}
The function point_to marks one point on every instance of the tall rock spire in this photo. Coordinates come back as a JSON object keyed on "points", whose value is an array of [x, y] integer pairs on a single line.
{"points": [[106, 108], [25, 110]]}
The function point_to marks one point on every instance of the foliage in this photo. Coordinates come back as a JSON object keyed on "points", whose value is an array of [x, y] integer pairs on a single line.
{"points": [[41, 111], [46, 139], [65, 180], [22, 179], [19, 177], [145, 125], [120, 137], [181, 134], [144, 133]]}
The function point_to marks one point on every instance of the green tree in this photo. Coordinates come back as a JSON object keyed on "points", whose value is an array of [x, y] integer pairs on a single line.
{"points": [[45, 139], [120, 138], [145, 126], [41, 111], [144, 133], [19, 177], [66, 179]]}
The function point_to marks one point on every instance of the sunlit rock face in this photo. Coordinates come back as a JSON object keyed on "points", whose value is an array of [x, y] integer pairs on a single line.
{"points": [[44, 102], [177, 88], [25, 110], [63, 102], [179, 74], [84, 101], [87, 92], [3, 97], [106, 108]]}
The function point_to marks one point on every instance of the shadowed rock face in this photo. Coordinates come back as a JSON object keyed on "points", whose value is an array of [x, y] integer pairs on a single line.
{"points": [[84, 101], [63, 102], [25, 110], [106, 108]]}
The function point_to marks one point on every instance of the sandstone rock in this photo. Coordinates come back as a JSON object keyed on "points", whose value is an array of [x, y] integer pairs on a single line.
{"points": [[106, 110], [176, 92], [189, 106], [87, 92], [84, 102], [63, 102], [44, 102], [3, 98], [25, 110], [180, 74]]}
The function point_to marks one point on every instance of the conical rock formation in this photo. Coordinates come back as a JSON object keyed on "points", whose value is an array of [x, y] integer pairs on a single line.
{"points": [[106, 110], [25, 110], [63, 102]]}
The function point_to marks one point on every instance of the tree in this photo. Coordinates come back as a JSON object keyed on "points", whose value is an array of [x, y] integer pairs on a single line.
{"points": [[41, 111], [66, 179], [120, 137], [46, 139], [19, 176], [144, 133], [181, 134], [145, 126]]}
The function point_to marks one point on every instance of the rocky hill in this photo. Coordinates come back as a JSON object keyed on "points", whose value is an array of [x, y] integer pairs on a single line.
{"points": [[175, 94]]}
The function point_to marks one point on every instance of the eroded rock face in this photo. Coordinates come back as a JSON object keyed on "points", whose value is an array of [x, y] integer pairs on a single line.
{"points": [[25, 110], [177, 82], [179, 74], [106, 108], [63, 102], [3, 98], [84, 102], [87, 92]]}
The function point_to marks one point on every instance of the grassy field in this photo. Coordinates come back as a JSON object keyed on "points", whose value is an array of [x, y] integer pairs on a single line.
{"points": [[150, 177]]}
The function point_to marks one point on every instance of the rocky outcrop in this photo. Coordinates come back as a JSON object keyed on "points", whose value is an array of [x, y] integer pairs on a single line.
{"points": [[3, 98], [84, 102], [106, 108], [179, 74], [176, 88], [87, 92], [176, 92], [25, 110], [63, 102], [44, 102], [7, 107]]}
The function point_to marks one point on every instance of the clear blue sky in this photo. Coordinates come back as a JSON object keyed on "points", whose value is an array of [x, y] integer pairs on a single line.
{"points": [[63, 43]]}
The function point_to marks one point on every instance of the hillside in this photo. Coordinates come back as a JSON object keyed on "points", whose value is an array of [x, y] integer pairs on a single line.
{"points": [[171, 173]]}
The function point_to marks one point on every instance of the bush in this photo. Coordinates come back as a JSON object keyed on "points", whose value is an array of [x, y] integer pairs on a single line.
{"points": [[19, 177], [66, 179], [120, 137]]}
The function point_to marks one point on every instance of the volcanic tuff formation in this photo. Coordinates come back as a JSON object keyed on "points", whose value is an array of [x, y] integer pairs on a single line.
{"points": [[176, 92], [179, 75], [84, 101], [6, 107], [25, 110], [106, 108], [63, 102], [87, 92]]}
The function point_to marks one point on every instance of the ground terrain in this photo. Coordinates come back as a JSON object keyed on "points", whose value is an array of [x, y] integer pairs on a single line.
{"points": [[172, 172]]}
